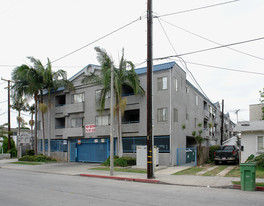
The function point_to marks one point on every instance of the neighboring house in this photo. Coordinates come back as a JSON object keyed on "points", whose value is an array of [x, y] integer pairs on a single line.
{"points": [[81, 133], [255, 112], [252, 138], [232, 141]]}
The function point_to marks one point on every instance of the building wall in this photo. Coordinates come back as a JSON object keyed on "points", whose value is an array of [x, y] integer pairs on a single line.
{"points": [[184, 97], [255, 112], [249, 142]]}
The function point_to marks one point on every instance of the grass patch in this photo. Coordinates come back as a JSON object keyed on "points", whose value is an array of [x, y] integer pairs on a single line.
{"points": [[117, 169], [215, 171], [259, 184], [26, 163], [190, 171], [236, 172]]}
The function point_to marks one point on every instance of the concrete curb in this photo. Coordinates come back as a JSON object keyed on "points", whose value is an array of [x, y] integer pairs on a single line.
{"points": [[258, 188], [122, 178]]}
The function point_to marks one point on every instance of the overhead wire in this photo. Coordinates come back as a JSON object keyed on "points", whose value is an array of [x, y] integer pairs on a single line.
{"points": [[199, 8], [212, 48], [224, 68], [122, 27], [188, 71], [207, 39]]}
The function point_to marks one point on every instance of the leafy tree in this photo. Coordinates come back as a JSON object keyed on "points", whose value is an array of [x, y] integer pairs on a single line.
{"points": [[124, 75], [52, 81], [199, 140], [29, 83], [3, 134], [262, 102]]}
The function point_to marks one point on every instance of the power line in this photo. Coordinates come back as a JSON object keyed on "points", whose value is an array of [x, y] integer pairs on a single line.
{"points": [[188, 71], [122, 27], [195, 9], [212, 48], [224, 68], [197, 35]]}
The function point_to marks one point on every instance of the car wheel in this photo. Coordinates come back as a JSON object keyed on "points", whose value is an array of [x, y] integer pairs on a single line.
{"points": [[216, 162]]}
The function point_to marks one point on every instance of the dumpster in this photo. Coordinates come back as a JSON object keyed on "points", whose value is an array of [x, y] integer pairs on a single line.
{"points": [[248, 176]]}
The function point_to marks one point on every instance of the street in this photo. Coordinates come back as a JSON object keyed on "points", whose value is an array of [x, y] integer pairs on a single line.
{"points": [[27, 188]]}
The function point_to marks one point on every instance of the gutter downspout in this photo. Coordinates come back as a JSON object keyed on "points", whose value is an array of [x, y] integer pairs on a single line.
{"points": [[170, 116]]}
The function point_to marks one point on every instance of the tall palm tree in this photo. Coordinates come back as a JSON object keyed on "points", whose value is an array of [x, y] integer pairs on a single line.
{"points": [[28, 82], [52, 81], [31, 109], [124, 75]]}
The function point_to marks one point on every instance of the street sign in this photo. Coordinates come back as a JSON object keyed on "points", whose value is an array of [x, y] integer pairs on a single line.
{"points": [[89, 128]]}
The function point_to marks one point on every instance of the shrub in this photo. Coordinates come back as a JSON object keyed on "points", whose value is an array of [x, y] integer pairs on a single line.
{"points": [[37, 158], [259, 160], [30, 152], [211, 152], [120, 162]]}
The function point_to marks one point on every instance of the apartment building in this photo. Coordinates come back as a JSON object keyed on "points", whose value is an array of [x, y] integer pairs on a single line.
{"points": [[79, 132]]}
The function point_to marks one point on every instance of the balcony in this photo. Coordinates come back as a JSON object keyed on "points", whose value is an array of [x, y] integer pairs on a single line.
{"points": [[67, 109], [206, 114], [132, 127], [70, 132]]}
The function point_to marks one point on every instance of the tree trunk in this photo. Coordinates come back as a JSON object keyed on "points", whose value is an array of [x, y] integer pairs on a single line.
{"points": [[36, 127], [49, 129], [120, 134], [43, 133], [18, 137]]}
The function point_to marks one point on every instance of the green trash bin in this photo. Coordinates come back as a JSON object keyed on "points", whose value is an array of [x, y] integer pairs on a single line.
{"points": [[248, 176]]}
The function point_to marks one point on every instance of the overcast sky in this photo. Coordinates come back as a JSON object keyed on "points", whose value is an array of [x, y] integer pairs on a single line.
{"points": [[55, 28]]}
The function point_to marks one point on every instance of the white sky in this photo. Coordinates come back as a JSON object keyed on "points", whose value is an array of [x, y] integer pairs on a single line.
{"points": [[54, 28]]}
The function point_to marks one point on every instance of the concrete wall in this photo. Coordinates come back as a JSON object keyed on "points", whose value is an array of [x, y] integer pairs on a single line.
{"points": [[255, 112], [181, 97]]}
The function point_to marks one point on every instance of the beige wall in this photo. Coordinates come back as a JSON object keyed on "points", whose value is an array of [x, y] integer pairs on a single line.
{"points": [[255, 112]]}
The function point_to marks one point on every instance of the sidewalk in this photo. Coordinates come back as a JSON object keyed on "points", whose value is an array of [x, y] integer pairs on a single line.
{"points": [[163, 175]]}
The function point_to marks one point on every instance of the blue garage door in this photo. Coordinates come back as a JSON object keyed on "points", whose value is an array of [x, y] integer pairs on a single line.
{"points": [[92, 152]]}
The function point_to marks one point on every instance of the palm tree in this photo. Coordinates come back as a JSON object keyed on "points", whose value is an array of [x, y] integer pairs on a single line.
{"points": [[52, 81], [31, 109], [124, 75], [28, 82]]}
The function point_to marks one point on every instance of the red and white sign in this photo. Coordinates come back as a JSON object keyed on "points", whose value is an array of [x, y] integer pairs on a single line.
{"points": [[89, 128]]}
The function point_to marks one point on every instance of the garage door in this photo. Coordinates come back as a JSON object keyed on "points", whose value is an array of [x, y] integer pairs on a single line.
{"points": [[92, 152]]}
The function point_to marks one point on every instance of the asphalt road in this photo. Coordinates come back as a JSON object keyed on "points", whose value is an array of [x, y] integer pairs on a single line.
{"points": [[26, 188]]}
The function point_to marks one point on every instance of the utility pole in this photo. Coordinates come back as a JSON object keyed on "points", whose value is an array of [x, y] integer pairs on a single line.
{"points": [[149, 90], [111, 122], [222, 122], [236, 112], [9, 121]]}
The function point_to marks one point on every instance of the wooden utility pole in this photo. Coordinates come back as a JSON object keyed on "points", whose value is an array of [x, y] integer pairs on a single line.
{"points": [[149, 90], [9, 119], [222, 123]]}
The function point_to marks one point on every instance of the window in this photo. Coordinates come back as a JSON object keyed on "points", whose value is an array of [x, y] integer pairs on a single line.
{"points": [[131, 116], [162, 83], [60, 123], [260, 143], [176, 84], [175, 115], [196, 100], [76, 122], [187, 90], [162, 115], [130, 143], [195, 122], [76, 98], [98, 95], [60, 100], [102, 120]]}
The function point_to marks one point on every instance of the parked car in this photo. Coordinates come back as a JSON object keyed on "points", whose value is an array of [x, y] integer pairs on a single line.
{"points": [[227, 153]]}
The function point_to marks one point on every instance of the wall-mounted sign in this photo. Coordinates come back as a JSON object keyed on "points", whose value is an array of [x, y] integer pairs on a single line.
{"points": [[89, 128], [95, 140], [79, 141]]}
